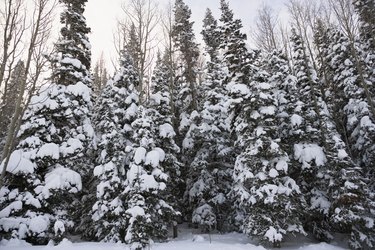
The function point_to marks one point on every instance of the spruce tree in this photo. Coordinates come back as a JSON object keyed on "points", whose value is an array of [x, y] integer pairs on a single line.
{"points": [[313, 176], [115, 111], [365, 10], [133, 49], [8, 104], [209, 176], [160, 104], [48, 166], [263, 187], [211, 35], [185, 90], [363, 57], [233, 43], [351, 196], [148, 213], [343, 206], [237, 62], [184, 38]]}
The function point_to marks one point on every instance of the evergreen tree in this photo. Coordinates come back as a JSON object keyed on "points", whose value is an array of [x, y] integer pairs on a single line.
{"points": [[211, 35], [343, 205], [133, 48], [8, 104], [184, 38], [358, 118], [185, 90], [365, 10], [263, 189], [71, 63], [148, 213], [116, 109], [237, 61], [48, 166], [363, 57], [352, 205], [161, 105], [209, 176], [312, 172], [233, 43]]}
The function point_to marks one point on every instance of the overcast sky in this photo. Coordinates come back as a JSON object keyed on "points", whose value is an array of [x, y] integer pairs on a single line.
{"points": [[102, 16]]}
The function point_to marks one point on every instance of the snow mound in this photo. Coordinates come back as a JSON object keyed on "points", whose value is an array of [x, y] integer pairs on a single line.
{"points": [[136, 211], [198, 238], [65, 244], [59, 227], [14, 206], [240, 89], [16, 243], [80, 89], [342, 154]]}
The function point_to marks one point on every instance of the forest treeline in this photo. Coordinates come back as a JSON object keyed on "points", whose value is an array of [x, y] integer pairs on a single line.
{"points": [[272, 141]]}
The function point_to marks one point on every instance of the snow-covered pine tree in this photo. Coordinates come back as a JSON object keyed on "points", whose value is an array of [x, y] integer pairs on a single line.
{"points": [[233, 44], [351, 197], [8, 104], [363, 57], [148, 213], [160, 102], [115, 111], [132, 48], [308, 146], [209, 175], [365, 10], [211, 35], [46, 169], [237, 60], [343, 205], [359, 120], [286, 97], [188, 52], [269, 197], [351, 209], [185, 91]]}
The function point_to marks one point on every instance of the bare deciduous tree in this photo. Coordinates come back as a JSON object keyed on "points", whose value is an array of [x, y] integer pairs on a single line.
{"points": [[304, 15], [144, 16], [40, 29], [286, 45], [345, 16], [100, 75], [13, 28], [265, 34]]}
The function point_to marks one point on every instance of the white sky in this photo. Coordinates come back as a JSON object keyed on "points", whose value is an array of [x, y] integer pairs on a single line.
{"points": [[102, 16]]}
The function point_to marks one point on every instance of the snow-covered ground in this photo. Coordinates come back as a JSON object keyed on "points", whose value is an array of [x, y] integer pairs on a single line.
{"points": [[188, 240]]}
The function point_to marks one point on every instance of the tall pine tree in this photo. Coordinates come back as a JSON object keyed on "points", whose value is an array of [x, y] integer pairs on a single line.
{"points": [[49, 164], [209, 175], [115, 111]]}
